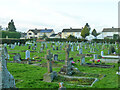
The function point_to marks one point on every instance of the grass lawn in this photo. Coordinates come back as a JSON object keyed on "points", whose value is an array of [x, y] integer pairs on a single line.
{"points": [[30, 76]]}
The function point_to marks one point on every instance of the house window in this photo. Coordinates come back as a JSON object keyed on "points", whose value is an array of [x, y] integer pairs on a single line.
{"points": [[31, 37], [35, 33], [30, 33]]}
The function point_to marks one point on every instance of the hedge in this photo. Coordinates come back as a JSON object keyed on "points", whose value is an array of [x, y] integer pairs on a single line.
{"points": [[105, 40], [10, 34], [12, 41], [63, 40]]}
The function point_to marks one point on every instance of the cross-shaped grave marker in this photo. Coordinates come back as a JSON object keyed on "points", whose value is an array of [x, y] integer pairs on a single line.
{"points": [[49, 58]]}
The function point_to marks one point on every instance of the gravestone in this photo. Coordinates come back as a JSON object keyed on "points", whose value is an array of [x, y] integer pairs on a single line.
{"points": [[5, 52], [27, 54], [12, 46], [56, 48], [77, 48], [48, 77], [29, 46], [6, 79], [102, 53], [41, 49], [18, 43], [33, 48], [5, 44], [82, 60], [67, 68], [56, 57], [60, 47], [95, 56], [80, 51], [17, 58], [72, 48], [108, 52]]}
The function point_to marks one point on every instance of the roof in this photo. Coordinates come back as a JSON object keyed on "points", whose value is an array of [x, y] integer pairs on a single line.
{"points": [[71, 30], [41, 30], [53, 35], [111, 29], [48, 30]]}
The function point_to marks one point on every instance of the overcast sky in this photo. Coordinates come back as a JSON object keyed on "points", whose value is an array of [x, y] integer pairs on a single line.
{"points": [[59, 14]]}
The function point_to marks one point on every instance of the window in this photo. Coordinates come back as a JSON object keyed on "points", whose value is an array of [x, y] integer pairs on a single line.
{"points": [[31, 37], [35, 33], [30, 33]]}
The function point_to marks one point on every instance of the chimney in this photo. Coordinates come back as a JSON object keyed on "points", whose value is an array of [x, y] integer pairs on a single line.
{"points": [[35, 28], [70, 28], [45, 28]]}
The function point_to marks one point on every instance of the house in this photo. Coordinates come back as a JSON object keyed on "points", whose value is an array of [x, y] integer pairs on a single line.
{"points": [[72, 31], [55, 36], [109, 32], [38, 33]]}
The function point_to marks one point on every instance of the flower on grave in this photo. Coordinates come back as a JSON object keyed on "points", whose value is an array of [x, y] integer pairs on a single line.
{"points": [[98, 60], [102, 57], [73, 62]]}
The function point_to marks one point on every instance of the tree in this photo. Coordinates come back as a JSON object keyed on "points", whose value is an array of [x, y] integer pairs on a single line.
{"points": [[115, 36], [44, 36], [1, 28], [71, 38], [94, 33], [11, 26], [85, 31]]}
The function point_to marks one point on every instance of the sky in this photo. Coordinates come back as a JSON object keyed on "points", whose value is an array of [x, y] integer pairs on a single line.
{"points": [[59, 14]]}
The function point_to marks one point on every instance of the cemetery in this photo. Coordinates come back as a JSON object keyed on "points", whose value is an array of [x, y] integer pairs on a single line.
{"points": [[48, 64]]}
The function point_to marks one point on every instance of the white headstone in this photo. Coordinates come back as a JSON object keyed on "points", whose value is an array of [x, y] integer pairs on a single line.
{"points": [[102, 53], [27, 54]]}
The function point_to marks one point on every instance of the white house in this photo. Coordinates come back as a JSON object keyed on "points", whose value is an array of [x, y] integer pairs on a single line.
{"points": [[109, 32], [38, 33]]}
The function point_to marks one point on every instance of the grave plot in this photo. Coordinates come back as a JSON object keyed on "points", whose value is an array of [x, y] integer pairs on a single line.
{"points": [[78, 81]]}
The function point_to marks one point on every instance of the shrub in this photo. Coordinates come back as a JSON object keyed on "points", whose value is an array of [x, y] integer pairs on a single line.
{"points": [[111, 49]]}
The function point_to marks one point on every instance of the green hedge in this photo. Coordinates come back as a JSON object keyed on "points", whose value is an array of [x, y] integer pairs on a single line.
{"points": [[105, 40], [12, 41], [10, 34], [63, 40]]}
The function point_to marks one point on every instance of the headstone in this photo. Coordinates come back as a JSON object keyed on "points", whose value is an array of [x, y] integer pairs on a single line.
{"points": [[60, 47], [72, 48], [6, 79], [56, 57], [33, 48], [108, 52], [56, 48], [29, 46], [27, 54], [17, 58], [12, 46], [18, 43], [41, 49], [95, 56], [67, 67], [82, 60], [48, 77], [102, 53], [80, 51], [5, 53]]}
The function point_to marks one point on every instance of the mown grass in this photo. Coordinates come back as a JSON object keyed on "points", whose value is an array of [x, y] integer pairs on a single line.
{"points": [[29, 76]]}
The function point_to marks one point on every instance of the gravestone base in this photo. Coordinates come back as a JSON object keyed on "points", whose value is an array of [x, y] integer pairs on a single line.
{"points": [[67, 70], [48, 77]]}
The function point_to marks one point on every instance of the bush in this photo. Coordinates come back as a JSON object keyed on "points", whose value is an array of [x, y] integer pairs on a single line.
{"points": [[12, 41], [111, 49], [10, 34]]}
